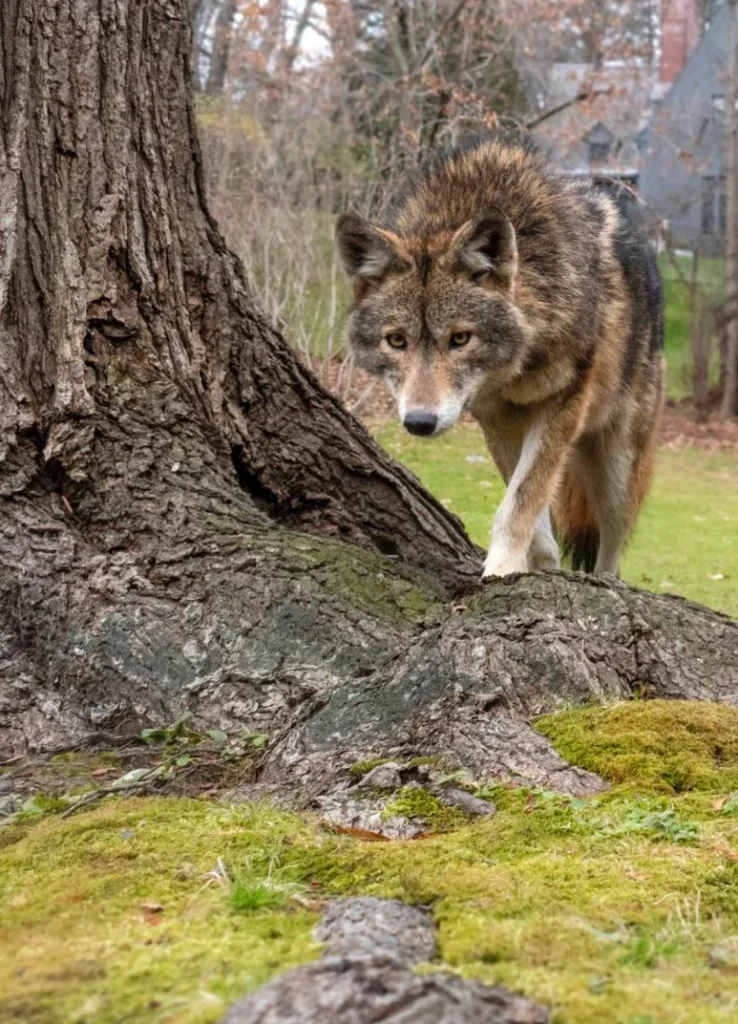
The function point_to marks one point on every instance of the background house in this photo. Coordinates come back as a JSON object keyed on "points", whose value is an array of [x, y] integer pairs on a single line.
{"points": [[682, 174], [597, 136], [654, 121]]}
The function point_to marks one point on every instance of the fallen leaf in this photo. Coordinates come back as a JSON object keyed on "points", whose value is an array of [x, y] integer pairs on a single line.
{"points": [[316, 906], [102, 771], [636, 876], [717, 805], [135, 775], [152, 913], [357, 833], [727, 851]]}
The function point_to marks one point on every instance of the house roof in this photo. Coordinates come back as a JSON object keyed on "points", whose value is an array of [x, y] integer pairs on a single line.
{"points": [[616, 110]]}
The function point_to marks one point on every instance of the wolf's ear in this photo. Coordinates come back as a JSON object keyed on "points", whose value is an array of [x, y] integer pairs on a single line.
{"points": [[368, 253], [486, 248]]}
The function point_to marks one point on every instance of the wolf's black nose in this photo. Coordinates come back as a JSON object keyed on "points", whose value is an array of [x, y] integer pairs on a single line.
{"points": [[421, 422]]}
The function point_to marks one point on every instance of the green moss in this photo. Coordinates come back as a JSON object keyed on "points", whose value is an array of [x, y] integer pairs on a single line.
{"points": [[416, 802], [606, 909], [666, 746], [372, 584], [77, 942], [361, 768], [43, 804], [436, 761]]}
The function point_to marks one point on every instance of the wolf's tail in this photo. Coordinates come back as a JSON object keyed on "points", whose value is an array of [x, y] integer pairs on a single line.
{"points": [[576, 522], [574, 513]]}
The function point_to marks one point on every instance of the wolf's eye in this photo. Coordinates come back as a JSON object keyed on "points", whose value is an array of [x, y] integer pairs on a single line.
{"points": [[459, 339], [396, 340]]}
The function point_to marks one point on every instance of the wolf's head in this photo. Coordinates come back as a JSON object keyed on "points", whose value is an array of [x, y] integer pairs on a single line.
{"points": [[436, 316]]}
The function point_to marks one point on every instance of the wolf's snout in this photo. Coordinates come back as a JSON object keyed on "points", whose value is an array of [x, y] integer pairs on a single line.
{"points": [[421, 422]]}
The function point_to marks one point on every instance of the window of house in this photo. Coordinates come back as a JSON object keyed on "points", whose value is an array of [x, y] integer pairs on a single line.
{"points": [[708, 206], [714, 205], [641, 140], [599, 152], [719, 106], [599, 143]]}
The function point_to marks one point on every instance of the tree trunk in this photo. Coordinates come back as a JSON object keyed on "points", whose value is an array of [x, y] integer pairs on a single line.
{"points": [[221, 47], [730, 387], [700, 336], [188, 522], [200, 17]]}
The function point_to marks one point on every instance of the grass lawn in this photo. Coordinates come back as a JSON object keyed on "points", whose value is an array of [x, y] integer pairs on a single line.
{"points": [[686, 541]]}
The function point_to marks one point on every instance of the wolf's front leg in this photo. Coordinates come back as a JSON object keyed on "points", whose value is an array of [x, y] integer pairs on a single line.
{"points": [[513, 526], [522, 518]]}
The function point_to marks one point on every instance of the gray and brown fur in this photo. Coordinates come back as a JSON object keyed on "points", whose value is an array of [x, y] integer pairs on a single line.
{"points": [[534, 301]]}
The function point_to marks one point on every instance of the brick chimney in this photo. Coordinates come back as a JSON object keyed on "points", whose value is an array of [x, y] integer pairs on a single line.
{"points": [[680, 31]]}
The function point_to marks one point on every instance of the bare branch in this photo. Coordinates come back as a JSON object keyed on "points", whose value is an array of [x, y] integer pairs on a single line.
{"points": [[436, 36], [303, 22], [553, 111]]}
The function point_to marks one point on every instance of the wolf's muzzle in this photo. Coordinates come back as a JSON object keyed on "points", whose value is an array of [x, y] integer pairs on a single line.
{"points": [[421, 422]]}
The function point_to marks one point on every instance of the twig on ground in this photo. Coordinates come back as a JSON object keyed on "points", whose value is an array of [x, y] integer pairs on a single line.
{"points": [[98, 794], [107, 739]]}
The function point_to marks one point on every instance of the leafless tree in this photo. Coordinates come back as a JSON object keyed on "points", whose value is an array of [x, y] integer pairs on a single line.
{"points": [[730, 390]]}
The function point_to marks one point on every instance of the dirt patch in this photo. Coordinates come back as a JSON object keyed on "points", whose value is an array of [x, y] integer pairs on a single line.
{"points": [[680, 430]]}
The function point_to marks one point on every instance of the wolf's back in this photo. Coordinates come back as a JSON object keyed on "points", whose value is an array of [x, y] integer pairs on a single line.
{"points": [[641, 374]]}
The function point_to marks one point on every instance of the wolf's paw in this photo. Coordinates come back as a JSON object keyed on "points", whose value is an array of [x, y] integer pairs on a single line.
{"points": [[543, 563], [503, 563], [543, 558]]}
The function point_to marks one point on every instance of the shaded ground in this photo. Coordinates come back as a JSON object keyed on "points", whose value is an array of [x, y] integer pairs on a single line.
{"points": [[620, 908]]}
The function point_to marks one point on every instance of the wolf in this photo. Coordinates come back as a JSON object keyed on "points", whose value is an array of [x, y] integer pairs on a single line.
{"points": [[496, 284]]}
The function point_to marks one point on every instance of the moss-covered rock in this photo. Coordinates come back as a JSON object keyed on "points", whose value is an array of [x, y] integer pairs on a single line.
{"points": [[415, 802], [361, 768]]}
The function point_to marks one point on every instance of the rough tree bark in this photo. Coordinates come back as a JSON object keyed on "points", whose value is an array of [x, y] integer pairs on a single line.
{"points": [[188, 521]]}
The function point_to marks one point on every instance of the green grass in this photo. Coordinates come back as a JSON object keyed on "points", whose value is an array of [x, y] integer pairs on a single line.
{"points": [[686, 540]]}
